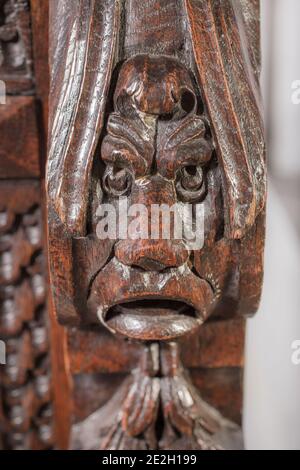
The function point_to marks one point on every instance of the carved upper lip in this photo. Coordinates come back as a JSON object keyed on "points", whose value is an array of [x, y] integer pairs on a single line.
{"points": [[118, 284]]}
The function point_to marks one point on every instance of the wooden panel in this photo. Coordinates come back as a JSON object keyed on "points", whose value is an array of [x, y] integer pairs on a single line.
{"points": [[221, 388], [216, 344], [19, 151], [92, 391], [39, 25]]}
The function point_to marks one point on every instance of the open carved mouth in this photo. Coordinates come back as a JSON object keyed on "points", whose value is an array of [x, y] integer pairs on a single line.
{"points": [[141, 305], [152, 319]]}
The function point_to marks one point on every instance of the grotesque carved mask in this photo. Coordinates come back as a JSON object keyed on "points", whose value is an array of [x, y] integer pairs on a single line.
{"points": [[157, 151], [157, 130]]}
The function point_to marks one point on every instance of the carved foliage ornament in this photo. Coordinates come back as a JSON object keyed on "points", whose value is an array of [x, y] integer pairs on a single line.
{"points": [[160, 124]]}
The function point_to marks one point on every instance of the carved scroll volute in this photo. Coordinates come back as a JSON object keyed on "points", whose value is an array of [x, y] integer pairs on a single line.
{"points": [[156, 125]]}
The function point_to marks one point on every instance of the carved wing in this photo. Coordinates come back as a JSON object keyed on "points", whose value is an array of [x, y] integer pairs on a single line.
{"points": [[227, 66], [77, 120]]}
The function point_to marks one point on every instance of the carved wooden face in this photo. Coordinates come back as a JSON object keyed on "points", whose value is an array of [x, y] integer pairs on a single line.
{"points": [[156, 143], [158, 150]]}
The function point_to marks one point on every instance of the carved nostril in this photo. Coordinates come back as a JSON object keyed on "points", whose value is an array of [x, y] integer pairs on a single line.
{"points": [[150, 256], [148, 264], [188, 101]]}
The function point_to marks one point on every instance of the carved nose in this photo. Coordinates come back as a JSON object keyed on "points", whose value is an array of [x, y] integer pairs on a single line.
{"points": [[152, 255]]}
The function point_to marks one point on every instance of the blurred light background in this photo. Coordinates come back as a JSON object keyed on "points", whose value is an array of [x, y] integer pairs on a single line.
{"points": [[272, 381]]}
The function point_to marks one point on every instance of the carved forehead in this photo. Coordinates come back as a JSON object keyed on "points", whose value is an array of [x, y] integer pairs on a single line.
{"points": [[154, 85]]}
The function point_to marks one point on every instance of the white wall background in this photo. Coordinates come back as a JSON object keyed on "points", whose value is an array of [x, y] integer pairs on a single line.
{"points": [[272, 381]]}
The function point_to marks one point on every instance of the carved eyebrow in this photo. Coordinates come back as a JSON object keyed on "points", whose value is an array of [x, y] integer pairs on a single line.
{"points": [[134, 136], [191, 128], [184, 145], [121, 152]]}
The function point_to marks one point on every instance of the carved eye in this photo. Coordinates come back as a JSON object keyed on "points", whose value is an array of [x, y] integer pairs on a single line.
{"points": [[117, 180], [190, 184]]}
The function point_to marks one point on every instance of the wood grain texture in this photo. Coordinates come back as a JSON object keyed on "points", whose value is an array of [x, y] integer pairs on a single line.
{"points": [[59, 357], [40, 45], [62, 382], [69, 148]]}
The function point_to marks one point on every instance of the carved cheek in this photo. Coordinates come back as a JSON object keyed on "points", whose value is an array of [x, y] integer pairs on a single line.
{"points": [[212, 263]]}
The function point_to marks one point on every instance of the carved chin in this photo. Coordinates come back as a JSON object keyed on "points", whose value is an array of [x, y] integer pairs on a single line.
{"points": [[150, 306]]}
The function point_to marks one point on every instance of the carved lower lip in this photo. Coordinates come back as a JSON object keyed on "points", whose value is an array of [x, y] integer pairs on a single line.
{"points": [[152, 319], [118, 289]]}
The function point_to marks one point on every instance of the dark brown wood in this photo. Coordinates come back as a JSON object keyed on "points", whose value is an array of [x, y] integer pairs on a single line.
{"points": [[40, 44], [154, 102], [16, 46], [26, 382], [25, 379], [19, 153], [62, 402], [221, 54], [216, 345], [62, 382], [158, 385]]}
